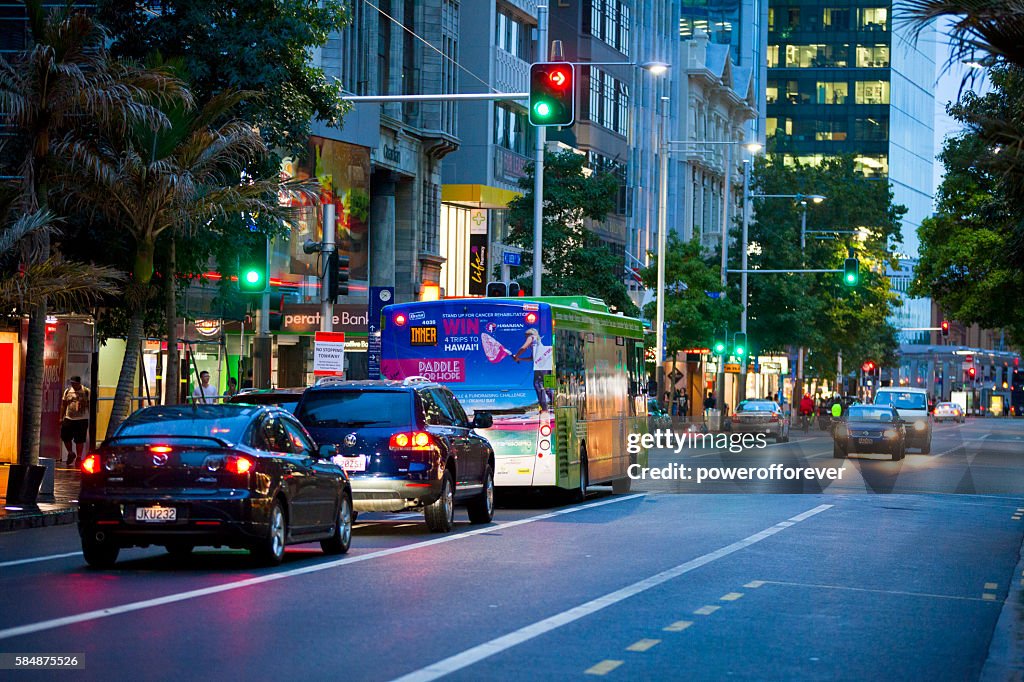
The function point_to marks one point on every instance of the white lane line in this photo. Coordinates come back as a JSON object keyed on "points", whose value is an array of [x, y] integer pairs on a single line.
{"points": [[315, 568], [497, 645], [901, 593], [33, 560]]}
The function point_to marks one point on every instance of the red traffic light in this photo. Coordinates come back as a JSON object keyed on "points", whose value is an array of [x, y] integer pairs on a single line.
{"points": [[558, 78], [944, 326], [868, 366], [972, 372]]}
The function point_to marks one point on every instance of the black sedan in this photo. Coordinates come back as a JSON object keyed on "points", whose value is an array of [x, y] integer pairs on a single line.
{"points": [[225, 475], [870, 428]]}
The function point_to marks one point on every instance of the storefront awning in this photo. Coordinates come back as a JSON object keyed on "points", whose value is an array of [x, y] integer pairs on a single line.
{"points": [[477, 196]]}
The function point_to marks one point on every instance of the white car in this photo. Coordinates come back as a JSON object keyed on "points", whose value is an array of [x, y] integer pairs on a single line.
{"points": [[912, 405], [950, 412]]}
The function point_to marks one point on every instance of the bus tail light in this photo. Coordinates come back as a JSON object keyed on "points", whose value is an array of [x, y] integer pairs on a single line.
{"points": [[415, 440]]}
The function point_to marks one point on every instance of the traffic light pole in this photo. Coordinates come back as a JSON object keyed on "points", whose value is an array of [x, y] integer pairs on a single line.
{"points": [[538, 168], [327, 249]]}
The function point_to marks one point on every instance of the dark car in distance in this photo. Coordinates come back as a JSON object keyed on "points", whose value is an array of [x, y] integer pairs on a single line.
{"points": [[870, 428], [287, 398], [241, 476], [405, 445]]}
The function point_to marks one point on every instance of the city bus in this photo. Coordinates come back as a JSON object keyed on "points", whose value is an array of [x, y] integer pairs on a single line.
{"points": [[562, 377]]}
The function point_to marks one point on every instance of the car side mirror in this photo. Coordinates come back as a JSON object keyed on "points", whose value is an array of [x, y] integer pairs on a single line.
{"points": [[482, 420], [328, 451]]}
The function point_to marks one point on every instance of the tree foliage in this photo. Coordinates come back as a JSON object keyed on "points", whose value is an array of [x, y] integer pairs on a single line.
{"points": [[576, 261]]}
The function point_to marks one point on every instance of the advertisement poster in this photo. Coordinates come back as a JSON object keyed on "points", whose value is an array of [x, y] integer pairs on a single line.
{"points": [[54, 356], [477, 264], [493, 356]]}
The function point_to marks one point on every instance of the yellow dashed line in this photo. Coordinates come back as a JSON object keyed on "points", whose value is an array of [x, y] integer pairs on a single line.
{"points": [[991, 586], [732, 596], [603, 668], [643, 645], [754, 583], [706, 610], [681, 625], [988, 596]]}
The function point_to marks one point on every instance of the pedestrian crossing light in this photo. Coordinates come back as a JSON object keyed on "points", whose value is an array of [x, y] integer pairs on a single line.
{"points": [[552, 94], [851, 272], [740, 345], [252, 268]]}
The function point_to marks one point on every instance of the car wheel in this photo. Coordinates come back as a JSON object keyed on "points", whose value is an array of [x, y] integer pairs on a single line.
{"points": [[838, 452], [481, 507], [440, 515], [340, 541], [180, 550], [580, 493], [99, 553], [270, 550]]}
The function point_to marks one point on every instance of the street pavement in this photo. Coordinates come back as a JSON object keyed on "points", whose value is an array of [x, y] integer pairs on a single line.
{"points": [[838, 583]]}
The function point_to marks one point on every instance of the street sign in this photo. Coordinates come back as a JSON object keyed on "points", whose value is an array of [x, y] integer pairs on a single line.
{"points": [[511, 258], [329, 354], [732, 368], [379, 297]]}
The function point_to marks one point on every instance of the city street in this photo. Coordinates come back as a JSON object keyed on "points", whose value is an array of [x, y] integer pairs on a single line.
{"points": [[837, 583]]}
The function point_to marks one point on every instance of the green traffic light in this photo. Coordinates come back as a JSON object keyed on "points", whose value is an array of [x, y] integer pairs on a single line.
{"points": [[719, 348], [543, 109], [252, 277], [740, 350]]}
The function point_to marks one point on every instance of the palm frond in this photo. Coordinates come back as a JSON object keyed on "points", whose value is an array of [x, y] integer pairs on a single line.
{"points": [[62, 284], [25, 225]]}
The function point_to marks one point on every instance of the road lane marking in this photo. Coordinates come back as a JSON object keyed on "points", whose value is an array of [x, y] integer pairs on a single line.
{"points": [[754, 583], [991, 586], [406, 525], [643, 645], [497, 645], [681, 625], [33, 560], [732, 596], [706, 610], [603, 668], [54, 623], [900, 593]]}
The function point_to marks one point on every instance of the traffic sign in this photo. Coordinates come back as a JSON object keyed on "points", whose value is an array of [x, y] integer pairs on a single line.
{"points": [[329, 354], [512, 258]]}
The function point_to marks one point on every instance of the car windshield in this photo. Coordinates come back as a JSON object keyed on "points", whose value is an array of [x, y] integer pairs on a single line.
{"points": [[227, 423], [756, 406], [864, 413], [902, 400], [355, 408]]}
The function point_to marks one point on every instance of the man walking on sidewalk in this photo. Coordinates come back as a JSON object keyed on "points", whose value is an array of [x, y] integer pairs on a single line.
{"points": [[74, 416]]}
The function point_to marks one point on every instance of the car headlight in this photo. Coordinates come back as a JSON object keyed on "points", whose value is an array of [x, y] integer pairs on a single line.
{"points": [[890, 433], [920, 426]]}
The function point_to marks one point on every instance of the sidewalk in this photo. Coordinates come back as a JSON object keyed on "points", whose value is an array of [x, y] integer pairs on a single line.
{"points": [[62, 509]]}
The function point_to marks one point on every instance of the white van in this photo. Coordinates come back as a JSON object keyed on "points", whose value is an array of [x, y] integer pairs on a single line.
{"points": [[912, 406]]}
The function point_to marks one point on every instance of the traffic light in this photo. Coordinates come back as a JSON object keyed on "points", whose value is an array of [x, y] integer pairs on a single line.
{"points": [[253, 267], [851, 272], [868, 366], [972, 372], [552, 94], [739, 344], [497, 290], [720, 347], [336, 277], [944, 326]]}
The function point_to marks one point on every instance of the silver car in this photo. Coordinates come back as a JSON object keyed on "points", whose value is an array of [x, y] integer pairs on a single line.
{"points": [[761, 416]]}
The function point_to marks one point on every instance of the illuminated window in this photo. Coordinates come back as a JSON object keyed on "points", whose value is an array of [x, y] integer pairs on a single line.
{"points": [[771, 18], [872, 56], [772, 92], [830, 131], [832, 92], [773, 56], [872, 92], [777, 126], [816, 56], [872, 165], [873, 18]]}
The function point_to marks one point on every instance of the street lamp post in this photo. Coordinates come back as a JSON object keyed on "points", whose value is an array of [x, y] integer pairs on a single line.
{"points": [[659, 317]]}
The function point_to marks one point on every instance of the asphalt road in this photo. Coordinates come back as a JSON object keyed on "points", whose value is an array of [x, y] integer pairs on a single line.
{"points": [[837, 583]]}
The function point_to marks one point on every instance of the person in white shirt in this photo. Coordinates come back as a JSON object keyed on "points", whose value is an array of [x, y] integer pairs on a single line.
{"points": [[204, 392]]}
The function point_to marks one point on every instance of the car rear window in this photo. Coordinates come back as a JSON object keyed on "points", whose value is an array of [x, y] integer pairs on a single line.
{"points": [[756, 407], [176, 421], [864, 413], [902, 400], [287, 402], [354, 409]]}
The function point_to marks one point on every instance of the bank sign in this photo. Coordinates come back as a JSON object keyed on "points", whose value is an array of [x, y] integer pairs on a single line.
{"points": [[305, 318]]}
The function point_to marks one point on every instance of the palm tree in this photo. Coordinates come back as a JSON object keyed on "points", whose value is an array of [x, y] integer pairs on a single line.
{"points": [[63, 84], [148, 183], [990, 29]]}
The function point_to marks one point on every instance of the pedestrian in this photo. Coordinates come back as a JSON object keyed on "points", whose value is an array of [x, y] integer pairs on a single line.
{"points": [[684, 403], [204, 392], [709, 402], [74, 419], [232, 386]]}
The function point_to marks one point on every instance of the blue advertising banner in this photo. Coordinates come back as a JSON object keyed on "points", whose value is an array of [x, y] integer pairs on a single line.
{"points": [[379, 297]]}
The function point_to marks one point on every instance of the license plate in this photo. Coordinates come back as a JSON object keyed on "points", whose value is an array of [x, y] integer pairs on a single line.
{"points": [[156, 514], [357, 463], [865, 441]]}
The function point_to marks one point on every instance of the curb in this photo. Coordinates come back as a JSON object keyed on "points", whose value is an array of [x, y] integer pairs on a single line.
{"points": [[1005, 660], [38, 519]]}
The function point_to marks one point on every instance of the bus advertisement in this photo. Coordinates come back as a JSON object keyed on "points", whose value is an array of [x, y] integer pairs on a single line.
{"points": [[559, 395]]}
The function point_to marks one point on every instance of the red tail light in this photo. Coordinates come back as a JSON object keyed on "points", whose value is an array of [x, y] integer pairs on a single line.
{"points": [[774, 418], [160, 449], [91, 464], [417, 440], [236, 464]]}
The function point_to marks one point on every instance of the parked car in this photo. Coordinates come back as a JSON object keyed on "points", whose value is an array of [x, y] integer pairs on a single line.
{"points": [[761, 416], [870, 428], [287, 398], [949, 412], [225, 475], [406, 445], [912, 404], [657, 418]]}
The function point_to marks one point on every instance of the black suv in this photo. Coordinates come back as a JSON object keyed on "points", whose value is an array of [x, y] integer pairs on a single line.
{"points": [[405, 445]]}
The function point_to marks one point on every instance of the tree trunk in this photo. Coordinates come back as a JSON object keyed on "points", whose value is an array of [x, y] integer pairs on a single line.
{"points": [[171, 369], [129, 366], [32, 405]]}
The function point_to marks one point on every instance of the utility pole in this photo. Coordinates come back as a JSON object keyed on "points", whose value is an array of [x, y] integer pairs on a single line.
{"points": [[327, 258], [659, 317], [742, 391], [538, 168], [726, 191], [261, 344]]}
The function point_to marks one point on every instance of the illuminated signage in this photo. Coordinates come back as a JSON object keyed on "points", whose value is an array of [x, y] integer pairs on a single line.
{"points": [[423, 336]]}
